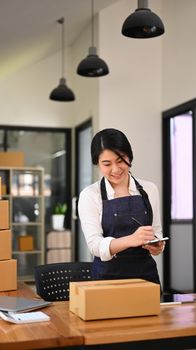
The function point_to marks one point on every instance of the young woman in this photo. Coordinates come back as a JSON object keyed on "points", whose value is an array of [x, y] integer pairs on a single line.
{"points": [[120, 214]]}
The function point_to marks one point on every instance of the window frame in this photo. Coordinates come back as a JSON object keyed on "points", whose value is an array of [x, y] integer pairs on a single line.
{"points": [[166, 185]]}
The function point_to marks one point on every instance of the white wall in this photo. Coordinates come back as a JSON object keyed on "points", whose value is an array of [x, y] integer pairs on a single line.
{"points": [[25, 100], [179, 52], [146, 77], [130, 97], [87, 89]]}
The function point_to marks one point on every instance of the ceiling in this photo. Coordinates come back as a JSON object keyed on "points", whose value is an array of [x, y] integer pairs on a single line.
{"points": [[28, 28]]}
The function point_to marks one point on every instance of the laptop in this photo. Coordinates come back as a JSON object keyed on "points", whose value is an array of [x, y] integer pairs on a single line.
{"points": [[20, 304]]}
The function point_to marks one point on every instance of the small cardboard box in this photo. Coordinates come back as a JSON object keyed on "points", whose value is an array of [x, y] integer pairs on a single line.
{"points": [[58, 255], [114, 298], [9, 159], [8, 275], [25, 243], [4, 215], [5, 244], [3, 190], [59, 239]]}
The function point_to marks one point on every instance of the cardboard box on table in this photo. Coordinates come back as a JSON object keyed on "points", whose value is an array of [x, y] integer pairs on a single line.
{"points": [[8, 275], [114, 298]]}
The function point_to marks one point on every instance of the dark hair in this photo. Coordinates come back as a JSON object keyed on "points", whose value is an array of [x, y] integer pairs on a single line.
{"points": [[111, 139]]}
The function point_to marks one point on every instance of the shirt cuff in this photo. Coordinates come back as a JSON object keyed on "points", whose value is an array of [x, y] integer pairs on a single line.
{"points": [[104, 249]]}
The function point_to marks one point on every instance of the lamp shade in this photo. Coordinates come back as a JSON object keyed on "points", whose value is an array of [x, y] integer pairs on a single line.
{"points": [[92, 66], [62, 92], [143, 23]]}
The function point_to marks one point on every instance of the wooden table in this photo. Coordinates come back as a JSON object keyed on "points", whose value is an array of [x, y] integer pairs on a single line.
{"points": [[56, 333], [174, 328]]}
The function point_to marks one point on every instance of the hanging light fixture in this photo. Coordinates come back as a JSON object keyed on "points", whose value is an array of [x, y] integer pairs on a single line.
{"points": [[92, 66], [143, 23], [62, 92]]}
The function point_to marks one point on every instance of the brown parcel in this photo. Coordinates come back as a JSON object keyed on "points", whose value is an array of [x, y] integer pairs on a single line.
{"points": [[8, 275], [4, 214], [9, 159], [114, 298], [5, 244], [25, 243]]}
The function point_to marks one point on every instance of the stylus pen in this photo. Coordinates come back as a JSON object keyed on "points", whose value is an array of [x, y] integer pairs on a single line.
{"points": [[139, 223], [178, 302]]}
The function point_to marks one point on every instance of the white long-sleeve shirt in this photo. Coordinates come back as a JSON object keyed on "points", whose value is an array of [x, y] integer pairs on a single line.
{"points": [[90, 214]]}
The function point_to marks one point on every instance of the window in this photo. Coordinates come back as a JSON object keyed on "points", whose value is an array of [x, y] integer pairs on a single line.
{"points": [[179, 197], [181, 167]]}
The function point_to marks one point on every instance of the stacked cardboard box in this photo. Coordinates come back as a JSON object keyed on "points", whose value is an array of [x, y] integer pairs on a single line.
{"points": [[8, 266], [59, 246], [8, 159]]}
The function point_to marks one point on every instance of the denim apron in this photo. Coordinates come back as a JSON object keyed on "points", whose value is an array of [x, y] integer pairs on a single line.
{"points": [[117, 222]]}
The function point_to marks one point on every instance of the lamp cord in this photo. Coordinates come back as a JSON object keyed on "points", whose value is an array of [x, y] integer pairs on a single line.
{"points": [[92, 22], [142, 4], [63, 48], [61, 21]]}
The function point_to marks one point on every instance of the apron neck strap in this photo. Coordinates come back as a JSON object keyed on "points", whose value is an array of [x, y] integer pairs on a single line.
{"points": [[103, 190]]}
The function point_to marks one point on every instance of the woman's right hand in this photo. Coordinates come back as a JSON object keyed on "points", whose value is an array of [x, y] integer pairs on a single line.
{"points": [[141, 236]]}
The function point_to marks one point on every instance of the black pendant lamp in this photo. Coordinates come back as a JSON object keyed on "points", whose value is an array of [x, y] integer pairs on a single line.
{"points": [[143, 23], [92, 66], [62, 92]]}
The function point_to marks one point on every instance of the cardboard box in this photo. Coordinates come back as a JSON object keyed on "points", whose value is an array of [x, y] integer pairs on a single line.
{"points": [[25, 243], [4, 215], [0, 187], [3, 190], [60, 239], [58, 255], [8, 275], [9, 159], [5, 244], [94, 300]]}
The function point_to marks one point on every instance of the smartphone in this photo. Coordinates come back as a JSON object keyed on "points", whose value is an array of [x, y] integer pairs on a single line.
{"points": [[26, 317], [156, 240]]}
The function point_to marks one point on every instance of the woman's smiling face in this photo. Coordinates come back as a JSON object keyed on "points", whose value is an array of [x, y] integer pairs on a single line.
{"points": [[113, 167]]}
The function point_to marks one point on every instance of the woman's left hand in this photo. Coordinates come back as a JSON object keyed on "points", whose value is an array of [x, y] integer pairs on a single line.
{"points": [[156, 248]]}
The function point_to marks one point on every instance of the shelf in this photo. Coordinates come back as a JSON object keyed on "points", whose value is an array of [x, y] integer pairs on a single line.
{"points": [[20, 196], [26, 278], [18, 252], [26, 223], [23, 188]]}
